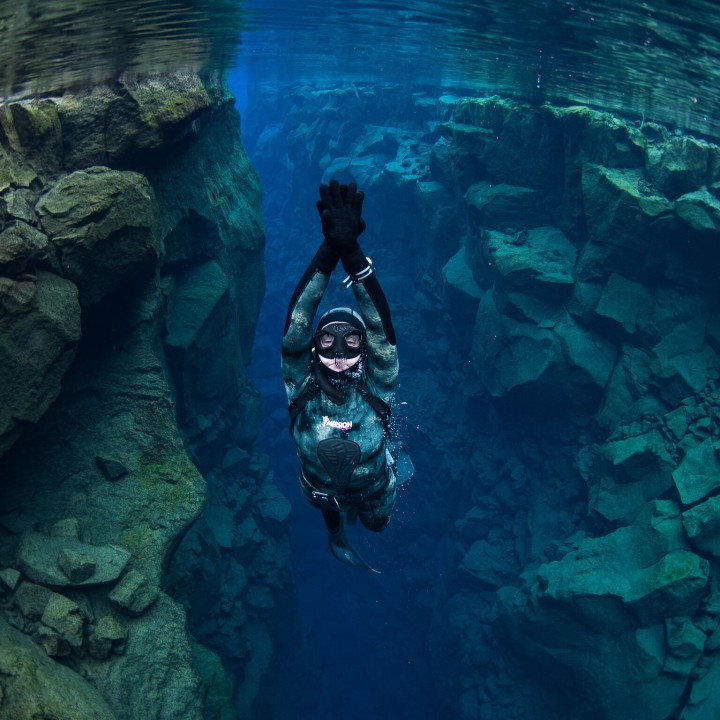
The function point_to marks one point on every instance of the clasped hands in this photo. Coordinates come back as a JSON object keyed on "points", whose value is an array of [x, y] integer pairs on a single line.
{"points": [[340, 208]]}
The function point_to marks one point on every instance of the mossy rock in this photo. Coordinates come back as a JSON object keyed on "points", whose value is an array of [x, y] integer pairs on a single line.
{"points": [[169, 100], [700, 210], [34, 686], [115, 126], [103, 223], [43, 310]]}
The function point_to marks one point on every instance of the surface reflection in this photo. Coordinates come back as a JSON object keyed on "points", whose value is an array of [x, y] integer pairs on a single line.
{"points": [[47, 45], [654, 61]]}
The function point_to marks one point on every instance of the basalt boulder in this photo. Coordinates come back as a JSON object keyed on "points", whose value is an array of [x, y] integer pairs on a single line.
{"points": [[67, 561], [35, 686], [628, 225], [39, 331], [22, 246], [102, 226], [601, 616]]}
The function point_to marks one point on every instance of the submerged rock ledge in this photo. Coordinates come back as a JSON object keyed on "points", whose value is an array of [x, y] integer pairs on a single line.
{"points": [[112, 202]]}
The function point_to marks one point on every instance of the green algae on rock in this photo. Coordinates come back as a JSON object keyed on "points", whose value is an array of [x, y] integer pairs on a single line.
{"points": [[33, 685], [101, 224], [39, 331], [101, 468]]}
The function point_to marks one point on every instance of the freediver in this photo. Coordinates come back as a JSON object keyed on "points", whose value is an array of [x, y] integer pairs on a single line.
{"points": [[340, 380]]}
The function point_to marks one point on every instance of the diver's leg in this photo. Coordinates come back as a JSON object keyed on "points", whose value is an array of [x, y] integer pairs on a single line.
{"points": [[351, 515], [333, 521], [375, 514], [340, 545]]}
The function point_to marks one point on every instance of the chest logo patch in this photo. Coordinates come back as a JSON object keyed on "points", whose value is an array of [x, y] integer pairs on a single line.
{"points": [[344, 425]]}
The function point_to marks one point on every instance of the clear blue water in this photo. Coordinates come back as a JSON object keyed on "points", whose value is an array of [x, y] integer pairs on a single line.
{"points": [[358, 646], [370, 645]]}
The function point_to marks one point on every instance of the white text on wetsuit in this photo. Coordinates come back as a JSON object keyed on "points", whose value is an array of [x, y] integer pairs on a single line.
{"points": [[344, 425]]}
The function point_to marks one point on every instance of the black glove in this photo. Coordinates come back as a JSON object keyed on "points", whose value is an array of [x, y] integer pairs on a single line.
{"points": [[340, 208], [325, 259]]}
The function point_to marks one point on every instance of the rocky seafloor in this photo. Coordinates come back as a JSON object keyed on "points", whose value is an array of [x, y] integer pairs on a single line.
{"points": [[554, 285]]}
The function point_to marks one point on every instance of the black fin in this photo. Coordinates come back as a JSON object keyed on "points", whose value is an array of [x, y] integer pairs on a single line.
{"points": [[341, 548]]}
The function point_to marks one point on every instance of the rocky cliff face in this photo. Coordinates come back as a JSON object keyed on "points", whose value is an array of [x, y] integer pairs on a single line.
{"points": [[130, 280], [554, 276]]}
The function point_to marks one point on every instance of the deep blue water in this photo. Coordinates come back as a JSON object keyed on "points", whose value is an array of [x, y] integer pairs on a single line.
{"points": [[363, 645], [360, 647]]}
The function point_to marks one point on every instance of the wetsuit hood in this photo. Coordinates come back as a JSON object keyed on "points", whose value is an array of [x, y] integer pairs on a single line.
{"points": [[342, 315]]}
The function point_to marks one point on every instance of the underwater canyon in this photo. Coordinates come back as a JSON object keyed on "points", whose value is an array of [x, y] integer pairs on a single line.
{"points": [[552, 272]]}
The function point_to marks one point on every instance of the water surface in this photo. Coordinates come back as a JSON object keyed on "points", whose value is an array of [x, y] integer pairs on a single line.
{"points": [[653, 60]]}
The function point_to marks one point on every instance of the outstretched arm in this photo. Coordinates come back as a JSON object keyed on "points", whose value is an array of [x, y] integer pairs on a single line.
{"points": [[382, 357], [298, 332], [340, 208]]}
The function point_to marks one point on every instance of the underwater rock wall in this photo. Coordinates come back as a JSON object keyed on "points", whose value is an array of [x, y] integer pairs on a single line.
{"points": [[562, 264], [594, 334], [597, 324], [131, 273]]}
